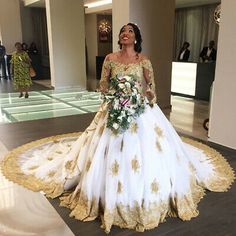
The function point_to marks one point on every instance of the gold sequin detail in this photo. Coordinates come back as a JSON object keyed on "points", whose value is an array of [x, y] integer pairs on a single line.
{"points": [[115, 168], [51, 174], [159, 131], [56, 141], [59, 152], [33, 167], [85, 141], [135, 165], [50, 158], [88, 165], [101, 129], [158, 146], [119, 187], [68, 165], [133, 127], [154, 186]]}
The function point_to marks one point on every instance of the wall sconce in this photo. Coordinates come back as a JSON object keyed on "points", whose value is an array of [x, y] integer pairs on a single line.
{"points": [[217, 13], [104, 26], [104, 29]]}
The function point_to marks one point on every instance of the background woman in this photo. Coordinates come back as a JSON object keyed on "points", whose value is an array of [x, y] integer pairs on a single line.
{"points": [[20, 69]]}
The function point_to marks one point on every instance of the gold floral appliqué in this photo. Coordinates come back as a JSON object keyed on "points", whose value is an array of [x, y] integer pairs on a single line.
{"points": [[88, 165], [158, 146], [154, 186], [159, 131], [135, 164], [133, 127], [51, 174], [68, 165], [119, 187], [115, 168]]}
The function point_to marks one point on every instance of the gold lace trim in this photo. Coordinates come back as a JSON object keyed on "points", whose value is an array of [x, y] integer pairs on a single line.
{"points": [[11, 170], [224, 174], [148, 66], [139, 216], [104, 81]]}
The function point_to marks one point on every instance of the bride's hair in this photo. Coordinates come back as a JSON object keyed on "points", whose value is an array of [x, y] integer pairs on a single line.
{"points": [[138, 37]]}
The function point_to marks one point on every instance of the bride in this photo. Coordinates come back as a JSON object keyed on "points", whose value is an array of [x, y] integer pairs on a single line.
{"points": [[132, 177]]}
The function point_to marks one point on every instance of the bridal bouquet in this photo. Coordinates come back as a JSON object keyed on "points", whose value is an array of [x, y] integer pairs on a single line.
{"points": [[125, 103]]}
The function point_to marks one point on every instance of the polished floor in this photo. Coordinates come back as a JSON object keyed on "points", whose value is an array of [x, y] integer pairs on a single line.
{"points": [[24, 213], [47, 103]]}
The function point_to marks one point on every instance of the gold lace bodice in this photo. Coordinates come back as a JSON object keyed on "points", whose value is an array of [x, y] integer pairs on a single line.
{"points": [[142, 70]]}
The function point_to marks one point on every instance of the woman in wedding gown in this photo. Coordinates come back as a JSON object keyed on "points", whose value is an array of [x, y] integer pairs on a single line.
{"points": [[133, 179]]}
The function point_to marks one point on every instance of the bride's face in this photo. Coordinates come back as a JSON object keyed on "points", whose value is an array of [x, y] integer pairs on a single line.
{"points": [[127, 35]]}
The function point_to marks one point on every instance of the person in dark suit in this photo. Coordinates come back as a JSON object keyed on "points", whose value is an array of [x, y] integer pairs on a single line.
{"points": [[208, 53], [184, 52], [2, 60]]}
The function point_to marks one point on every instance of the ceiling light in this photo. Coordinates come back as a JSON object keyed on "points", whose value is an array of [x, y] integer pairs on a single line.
{"points": [[98, 3]]}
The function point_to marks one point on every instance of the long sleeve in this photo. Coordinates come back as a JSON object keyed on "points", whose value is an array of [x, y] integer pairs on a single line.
{"points": [[105, 75], [149, 77]]}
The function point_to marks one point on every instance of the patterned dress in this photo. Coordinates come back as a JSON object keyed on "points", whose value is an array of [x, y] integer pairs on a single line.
{"points": [[134, 179], [21, 67]]}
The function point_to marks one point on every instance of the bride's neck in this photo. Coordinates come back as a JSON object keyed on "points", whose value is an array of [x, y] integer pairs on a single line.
{"points": [[128, 51]]}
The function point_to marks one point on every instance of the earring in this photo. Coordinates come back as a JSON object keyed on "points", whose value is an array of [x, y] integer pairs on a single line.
{"points": [[135, 42]]}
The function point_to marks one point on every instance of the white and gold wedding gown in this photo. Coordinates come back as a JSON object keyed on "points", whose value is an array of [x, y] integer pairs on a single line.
{"points": [[133, 180]]}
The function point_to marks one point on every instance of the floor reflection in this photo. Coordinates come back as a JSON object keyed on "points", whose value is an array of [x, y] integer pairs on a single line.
{"points": [[25, 213]]}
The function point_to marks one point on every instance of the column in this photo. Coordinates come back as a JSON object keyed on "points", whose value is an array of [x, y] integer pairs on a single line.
{"points": [[156, 21], [66, 36], [223, 110], [10, 24]]}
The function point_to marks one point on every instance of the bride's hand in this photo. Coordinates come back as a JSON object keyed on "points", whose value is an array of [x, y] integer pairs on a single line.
{"points": [[102, 90], [149, 95]]}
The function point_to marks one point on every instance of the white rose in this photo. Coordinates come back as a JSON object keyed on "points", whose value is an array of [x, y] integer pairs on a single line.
{"points": [[121, 85], [128, 78], [115, 126], [132, 111], [127, 85]]}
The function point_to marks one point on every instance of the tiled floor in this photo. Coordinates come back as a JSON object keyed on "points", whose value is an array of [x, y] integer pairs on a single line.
{"points": [[47, 104], [187, 115]]}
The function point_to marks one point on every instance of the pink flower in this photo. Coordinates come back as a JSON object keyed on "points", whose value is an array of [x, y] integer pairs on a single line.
{"points": [[125, 102]]}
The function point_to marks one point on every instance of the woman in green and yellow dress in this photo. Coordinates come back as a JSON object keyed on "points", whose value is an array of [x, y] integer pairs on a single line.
{"points": [[20, 69]]}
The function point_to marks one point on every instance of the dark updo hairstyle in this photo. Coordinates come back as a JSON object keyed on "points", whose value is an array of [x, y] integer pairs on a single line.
{"points": [[138, 37], [18, 43]]}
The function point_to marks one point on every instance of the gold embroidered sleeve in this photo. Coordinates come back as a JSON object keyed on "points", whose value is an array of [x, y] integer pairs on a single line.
{"points": [[149, 77], [105, 76]]}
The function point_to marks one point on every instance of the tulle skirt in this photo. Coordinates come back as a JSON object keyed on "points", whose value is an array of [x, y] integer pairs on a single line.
{"points": [[133, 180]]}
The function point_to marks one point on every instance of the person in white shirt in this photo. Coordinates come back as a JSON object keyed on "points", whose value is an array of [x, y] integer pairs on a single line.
{"points": [[184, 52]]}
